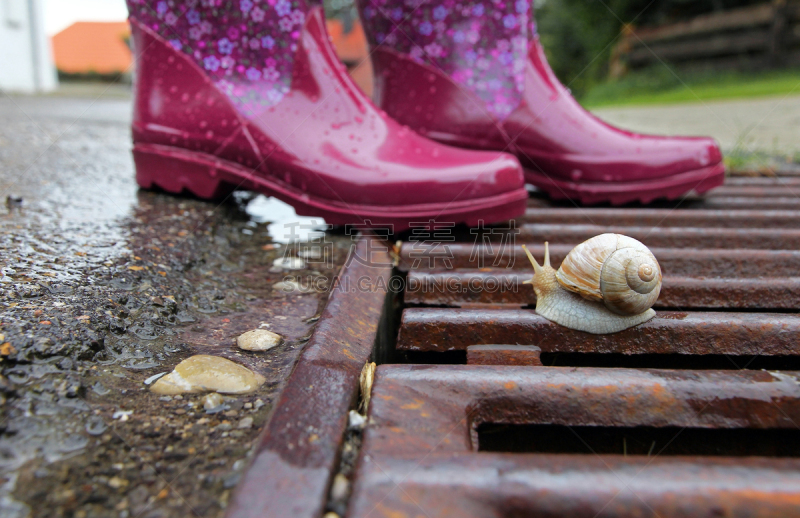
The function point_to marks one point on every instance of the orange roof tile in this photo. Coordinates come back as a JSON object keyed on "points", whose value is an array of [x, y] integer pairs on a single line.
{"points": [[97, 47], [100, 47], [351, 47]]}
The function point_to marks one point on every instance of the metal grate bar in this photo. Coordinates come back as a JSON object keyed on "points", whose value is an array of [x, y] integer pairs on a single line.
{"points": [[756, 191], [673, 261], [420, 451], [698, 333], [684, 237], [666, 218], [470, 287]]}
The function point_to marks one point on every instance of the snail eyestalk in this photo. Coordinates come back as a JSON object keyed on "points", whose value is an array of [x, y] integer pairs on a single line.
{"points": [[547, 254], [536, 267]]}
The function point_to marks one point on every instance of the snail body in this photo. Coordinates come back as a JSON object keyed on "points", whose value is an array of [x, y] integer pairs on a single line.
{"points": [[605, 285]]}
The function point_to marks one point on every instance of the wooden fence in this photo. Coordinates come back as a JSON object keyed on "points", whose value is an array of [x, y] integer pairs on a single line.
{"points": [[761, 36]]}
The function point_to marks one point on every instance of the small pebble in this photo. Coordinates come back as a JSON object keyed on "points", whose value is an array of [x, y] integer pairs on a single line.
{"points": [[258, 404], [258, 340], [355, 421], [212, 401], [289, 263], [204, 373], [245, 423], [117, 482], [340, 487], [122, 415]]}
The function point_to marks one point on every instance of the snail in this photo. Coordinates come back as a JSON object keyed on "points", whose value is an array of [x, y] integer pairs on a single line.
{"points": [[605, 285]]}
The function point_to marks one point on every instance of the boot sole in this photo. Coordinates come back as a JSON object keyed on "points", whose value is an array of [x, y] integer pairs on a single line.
{"points": [[176, 170], [620, 193]]}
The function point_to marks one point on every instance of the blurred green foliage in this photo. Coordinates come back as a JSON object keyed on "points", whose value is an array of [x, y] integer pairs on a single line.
{"points": [[659, 85], [579, 35]]}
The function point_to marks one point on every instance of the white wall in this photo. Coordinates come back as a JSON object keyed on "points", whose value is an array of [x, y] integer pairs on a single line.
{"points": [[25, 53]]}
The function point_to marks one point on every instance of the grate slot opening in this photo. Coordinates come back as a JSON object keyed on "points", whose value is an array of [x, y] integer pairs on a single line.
{"points": [[640, 440], [433, 357], [623, 361], [671, 361]]}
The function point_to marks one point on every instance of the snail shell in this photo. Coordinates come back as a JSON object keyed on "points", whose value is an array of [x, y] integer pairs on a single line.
{"points": [[616, 270]]}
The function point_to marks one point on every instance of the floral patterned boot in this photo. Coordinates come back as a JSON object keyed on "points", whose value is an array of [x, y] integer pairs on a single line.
{"points": [[249, 94], [473, 74]]}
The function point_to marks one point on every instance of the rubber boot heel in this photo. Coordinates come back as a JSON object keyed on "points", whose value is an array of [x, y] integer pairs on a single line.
{"points": [[175, 171]]}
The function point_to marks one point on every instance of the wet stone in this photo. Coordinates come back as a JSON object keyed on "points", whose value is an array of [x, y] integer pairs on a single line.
{"points": [[212, 401], [258, 340], [204, 373], [289, 263]]}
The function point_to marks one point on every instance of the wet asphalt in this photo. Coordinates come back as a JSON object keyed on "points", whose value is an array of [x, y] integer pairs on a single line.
{"points": [[103, 286]]}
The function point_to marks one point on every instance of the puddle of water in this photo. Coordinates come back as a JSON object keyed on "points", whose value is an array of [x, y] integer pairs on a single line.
{"points": [[285, 226]]}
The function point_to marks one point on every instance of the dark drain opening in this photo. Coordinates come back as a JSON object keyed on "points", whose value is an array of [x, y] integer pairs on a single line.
{"points": [[624, 361], [641, 440], [671, 361], [430, 357]]}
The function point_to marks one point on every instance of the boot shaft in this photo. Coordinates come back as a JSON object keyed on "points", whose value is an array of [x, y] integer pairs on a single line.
{"points": [[482, 45], [246, 47]]}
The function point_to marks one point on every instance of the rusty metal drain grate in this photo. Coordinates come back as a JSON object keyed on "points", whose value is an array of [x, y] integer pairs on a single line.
{"points": [[482, 408], [672, 418]]}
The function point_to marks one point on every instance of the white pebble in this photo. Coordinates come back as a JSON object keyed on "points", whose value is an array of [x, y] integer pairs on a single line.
{"points": [[355, 420], [289, 263], [205, 373], [212, 401], [340, 487], [258, 340], [122, 415]]}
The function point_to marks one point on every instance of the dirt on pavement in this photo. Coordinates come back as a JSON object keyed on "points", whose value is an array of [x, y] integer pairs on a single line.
{"points": [[104, 286]]}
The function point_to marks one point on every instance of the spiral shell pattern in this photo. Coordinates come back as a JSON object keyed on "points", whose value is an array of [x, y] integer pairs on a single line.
{"points": [[615, 269]]}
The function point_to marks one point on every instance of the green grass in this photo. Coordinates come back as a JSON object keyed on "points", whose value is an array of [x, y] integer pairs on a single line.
{"points": [[659, 86]]}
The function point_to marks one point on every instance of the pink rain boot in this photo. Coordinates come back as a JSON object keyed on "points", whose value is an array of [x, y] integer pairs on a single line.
{"points": [[249, 94], [474, 75]]}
